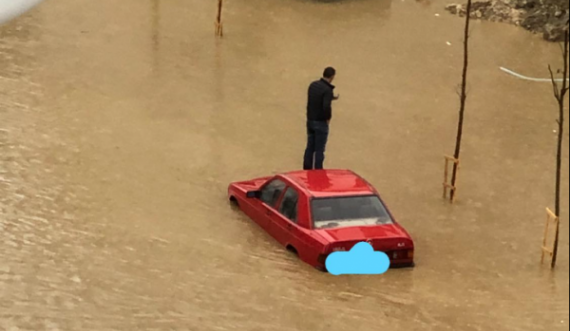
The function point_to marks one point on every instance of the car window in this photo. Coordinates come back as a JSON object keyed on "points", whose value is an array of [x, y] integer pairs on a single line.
{"points": [[272, 191], [349, 211], [289, 205]]}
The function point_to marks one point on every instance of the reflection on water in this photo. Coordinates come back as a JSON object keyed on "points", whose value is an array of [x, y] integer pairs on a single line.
{"points": [[155, 31], [122, 123]]}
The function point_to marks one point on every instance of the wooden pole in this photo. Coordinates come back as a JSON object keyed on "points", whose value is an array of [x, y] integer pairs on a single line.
{"points": [[545, 240], [546, 249], [454, 186], [446, 185], [445, 177]]}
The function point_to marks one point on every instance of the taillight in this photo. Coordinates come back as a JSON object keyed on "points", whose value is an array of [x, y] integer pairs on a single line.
{"points": [[401, 255]]}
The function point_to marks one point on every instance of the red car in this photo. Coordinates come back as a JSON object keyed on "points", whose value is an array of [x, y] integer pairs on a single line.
{"points": [[317, 212]]}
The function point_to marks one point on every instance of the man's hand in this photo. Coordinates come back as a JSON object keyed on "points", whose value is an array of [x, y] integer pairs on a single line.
{"points": [[336, 97]]}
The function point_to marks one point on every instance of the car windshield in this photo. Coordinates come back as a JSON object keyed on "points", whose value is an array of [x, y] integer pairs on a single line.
{"points": [[349, 211]]}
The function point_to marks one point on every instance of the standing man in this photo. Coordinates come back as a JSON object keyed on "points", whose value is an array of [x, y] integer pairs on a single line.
{"points": [[319, 114]]}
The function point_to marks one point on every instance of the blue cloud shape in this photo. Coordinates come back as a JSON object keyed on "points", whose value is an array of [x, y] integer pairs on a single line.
{"points": [[361, 260]]}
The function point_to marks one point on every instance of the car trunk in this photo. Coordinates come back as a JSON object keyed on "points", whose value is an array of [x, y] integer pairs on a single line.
{"points": [[390, 239]]}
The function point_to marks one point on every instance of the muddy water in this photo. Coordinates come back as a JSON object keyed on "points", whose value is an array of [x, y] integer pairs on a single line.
{"points": [[122, 122]]}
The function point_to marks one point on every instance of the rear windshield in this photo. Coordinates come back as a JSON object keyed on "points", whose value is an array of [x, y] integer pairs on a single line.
{"points": [[349, 211]]}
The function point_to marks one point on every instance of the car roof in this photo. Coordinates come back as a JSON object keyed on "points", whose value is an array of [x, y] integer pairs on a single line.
{"points": [[330, 183]]}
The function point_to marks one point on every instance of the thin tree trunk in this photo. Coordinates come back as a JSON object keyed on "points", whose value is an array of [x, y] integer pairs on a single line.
{"points": [[561, 96], [463, 97], [219, 27], [220, 7]]}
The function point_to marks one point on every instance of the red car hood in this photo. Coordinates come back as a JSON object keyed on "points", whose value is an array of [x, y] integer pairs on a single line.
{"points": [[382, 237]]}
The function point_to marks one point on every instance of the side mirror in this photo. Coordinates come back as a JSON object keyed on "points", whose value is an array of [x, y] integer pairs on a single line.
{"points": [[253, 194]]}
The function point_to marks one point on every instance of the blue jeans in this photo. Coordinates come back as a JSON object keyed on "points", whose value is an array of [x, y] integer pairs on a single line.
{"points": [[317, 137]]}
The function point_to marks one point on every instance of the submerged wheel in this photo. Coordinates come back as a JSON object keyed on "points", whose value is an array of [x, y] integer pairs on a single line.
{"points": [[322, 269], [293, 250]]}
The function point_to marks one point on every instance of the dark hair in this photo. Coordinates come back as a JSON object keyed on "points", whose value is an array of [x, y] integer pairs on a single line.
{"points": [[330, 72]]}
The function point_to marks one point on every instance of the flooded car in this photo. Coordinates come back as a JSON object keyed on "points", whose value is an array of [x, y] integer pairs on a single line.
{"points": [[317, 212]]}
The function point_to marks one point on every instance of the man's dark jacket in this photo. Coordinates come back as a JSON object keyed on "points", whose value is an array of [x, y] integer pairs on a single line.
{"points": [[319, 107]]}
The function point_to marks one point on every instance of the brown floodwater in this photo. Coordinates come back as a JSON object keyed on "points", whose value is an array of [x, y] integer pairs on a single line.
{"points": [[123, 121]]}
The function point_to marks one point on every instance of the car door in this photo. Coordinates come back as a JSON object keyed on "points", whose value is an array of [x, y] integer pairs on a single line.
{"points": [[299, 234], [270, 196], [285, 220]]}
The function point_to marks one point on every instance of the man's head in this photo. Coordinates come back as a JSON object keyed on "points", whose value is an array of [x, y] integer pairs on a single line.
{"points": [[329, 74]]}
